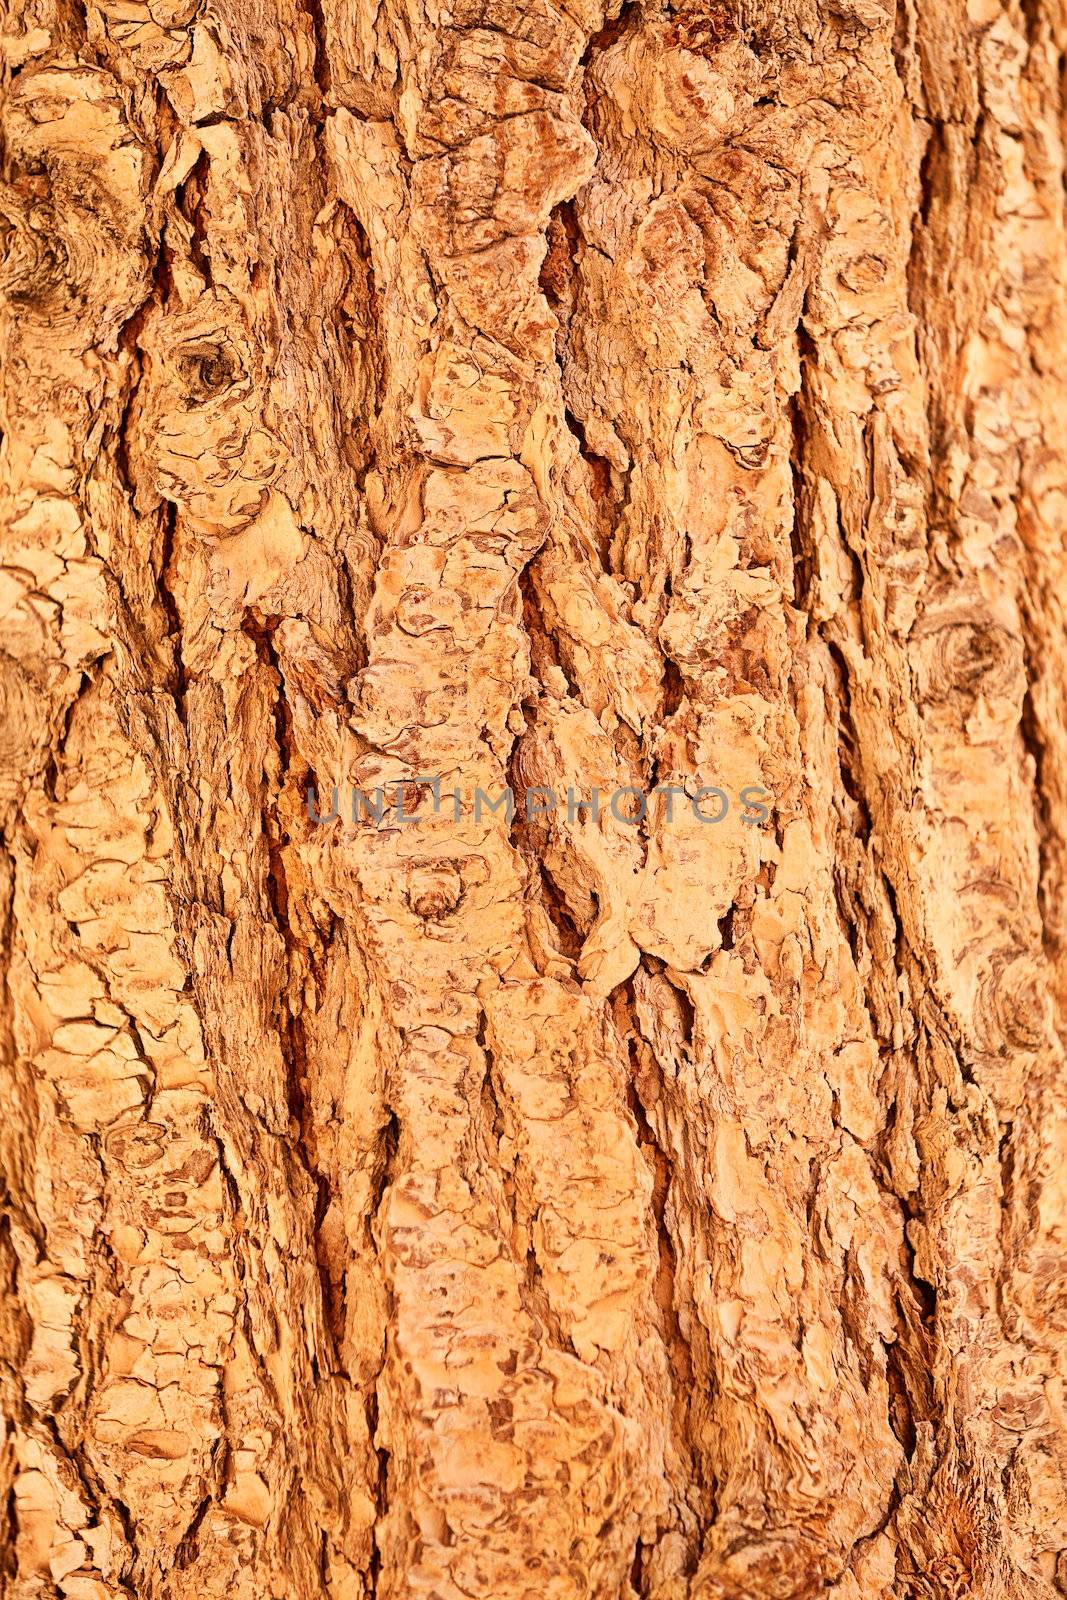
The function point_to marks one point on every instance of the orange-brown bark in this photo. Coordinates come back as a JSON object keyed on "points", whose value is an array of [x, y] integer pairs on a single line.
{"points": [[588, 1201]]}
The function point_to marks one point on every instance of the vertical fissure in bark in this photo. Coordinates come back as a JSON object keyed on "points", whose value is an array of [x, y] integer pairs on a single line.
{"points": [[689, 1364], [802, 541], [613, 30], [681, 1366], [321, 68]]}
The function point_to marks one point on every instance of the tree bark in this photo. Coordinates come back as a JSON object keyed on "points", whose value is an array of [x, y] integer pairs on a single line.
{"points": [[585, 1198]]}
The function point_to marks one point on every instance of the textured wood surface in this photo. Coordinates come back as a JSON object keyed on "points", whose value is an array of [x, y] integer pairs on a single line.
{"points": [[556, 1206]]}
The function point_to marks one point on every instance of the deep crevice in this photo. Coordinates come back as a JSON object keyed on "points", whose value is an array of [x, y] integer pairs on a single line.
{"points": [[801, 536], [610, 32]]}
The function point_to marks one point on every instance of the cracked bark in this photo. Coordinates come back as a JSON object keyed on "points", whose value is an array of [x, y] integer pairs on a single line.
{"points": [[584, 1206]]}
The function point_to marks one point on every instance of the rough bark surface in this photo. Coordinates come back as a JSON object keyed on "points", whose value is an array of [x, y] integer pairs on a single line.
{"points": [[566, 1206]]}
